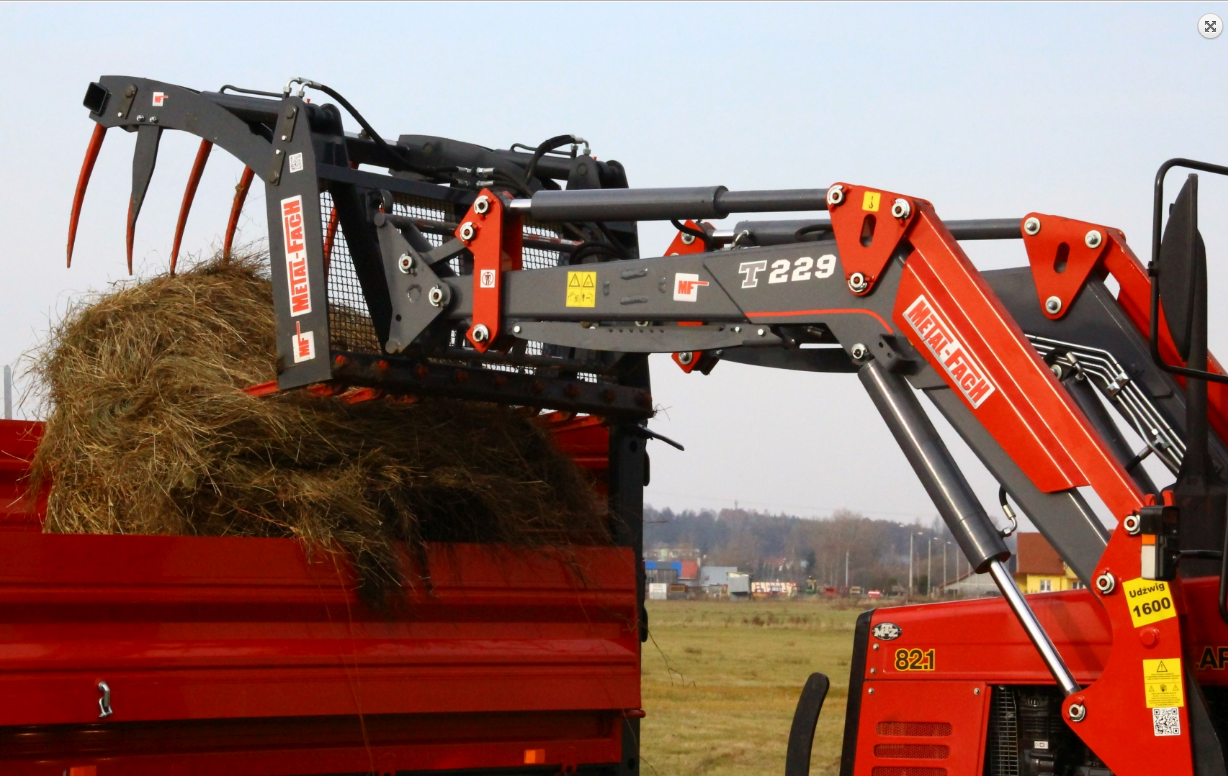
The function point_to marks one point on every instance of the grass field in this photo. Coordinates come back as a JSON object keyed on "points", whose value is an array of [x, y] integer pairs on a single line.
{"points": [[722, 680]]}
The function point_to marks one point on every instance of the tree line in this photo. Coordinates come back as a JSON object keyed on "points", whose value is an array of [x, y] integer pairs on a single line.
{"points": [[788, 548]]}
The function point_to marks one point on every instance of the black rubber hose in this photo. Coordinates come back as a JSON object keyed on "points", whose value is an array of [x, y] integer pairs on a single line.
{"points": [[549, 145], [375, 136], [696, 233]]}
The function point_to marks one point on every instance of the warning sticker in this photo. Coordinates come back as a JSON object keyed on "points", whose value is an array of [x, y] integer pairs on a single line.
{"points": [[870, 201], [581, 289], [1149, 601], [1162, 683]]}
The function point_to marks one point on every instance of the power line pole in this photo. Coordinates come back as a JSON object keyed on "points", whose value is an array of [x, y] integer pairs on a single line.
{"points": [[929, 567], [945, 545], [846, 568], [910, 554]]}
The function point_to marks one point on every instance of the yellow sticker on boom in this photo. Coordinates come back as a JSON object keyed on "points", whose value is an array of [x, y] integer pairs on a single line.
{"points": [[1162, 683], [916, 659], [1149, 601], [581, 289], [870, 201]]}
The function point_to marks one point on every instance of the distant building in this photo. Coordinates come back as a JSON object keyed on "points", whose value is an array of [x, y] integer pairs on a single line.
{"points": [[715, 576], [737, 585], [969, 585], [773, 589], [672, 572], [1038, 567]]}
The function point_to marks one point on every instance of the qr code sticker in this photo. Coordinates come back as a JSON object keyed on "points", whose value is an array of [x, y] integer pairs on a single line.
{"points": [[296, 162], [1166, 722]]}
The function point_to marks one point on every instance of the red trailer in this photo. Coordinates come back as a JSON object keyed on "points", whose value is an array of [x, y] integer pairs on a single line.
{"points": [[196, 655]]}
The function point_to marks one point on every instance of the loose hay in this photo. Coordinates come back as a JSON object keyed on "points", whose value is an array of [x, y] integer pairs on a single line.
{"points": [[148, 432]]}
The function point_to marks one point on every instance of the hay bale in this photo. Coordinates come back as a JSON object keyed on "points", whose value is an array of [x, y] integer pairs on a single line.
{"points": [[148, 432]]}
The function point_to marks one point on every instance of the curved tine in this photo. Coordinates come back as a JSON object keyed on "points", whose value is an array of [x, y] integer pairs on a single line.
{"points": [[83, 181], [245, 183], [330, 234], [189, 194], [130, 237]]}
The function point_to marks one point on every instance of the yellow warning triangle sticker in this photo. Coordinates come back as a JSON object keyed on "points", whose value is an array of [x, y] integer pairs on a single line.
{"points": [[573, 279], [589, 282], [1161, 668]]}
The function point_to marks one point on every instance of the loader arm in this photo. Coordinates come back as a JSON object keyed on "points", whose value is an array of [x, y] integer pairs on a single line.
{"points": [[912, 304]]}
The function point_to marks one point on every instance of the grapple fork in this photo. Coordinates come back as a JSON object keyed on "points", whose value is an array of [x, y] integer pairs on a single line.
{"points": [[83, 182], [189, 194]]}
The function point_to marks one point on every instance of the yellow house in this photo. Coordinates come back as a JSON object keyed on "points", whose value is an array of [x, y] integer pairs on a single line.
{"points": [[1038, 567]]}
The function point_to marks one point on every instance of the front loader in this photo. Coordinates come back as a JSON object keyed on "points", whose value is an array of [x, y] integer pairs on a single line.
{"points": [[469, 273]]}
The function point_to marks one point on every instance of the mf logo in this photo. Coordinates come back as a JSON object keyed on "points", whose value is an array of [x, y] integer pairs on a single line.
{"points": [[304, 344], [686, 287]]}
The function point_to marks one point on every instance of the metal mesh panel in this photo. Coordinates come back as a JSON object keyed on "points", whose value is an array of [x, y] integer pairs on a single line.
{"points": [[913, 728], [1003, 749], [539, 258], [349, 324]]}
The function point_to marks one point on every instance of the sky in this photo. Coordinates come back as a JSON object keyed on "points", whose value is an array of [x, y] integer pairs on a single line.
{"points": [[988, 111]]}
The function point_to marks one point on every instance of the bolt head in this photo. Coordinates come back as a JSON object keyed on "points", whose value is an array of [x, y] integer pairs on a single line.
{"points": [[687, 239], [857, 283], [468, 231], [1031, 225], [1093, 239], [405, 263], [1133, 524], [761, 332], [859, 352], [481, 205], [835, 195], [516, 329], [1077, 712], [435, 296], [1053, 305], [901, 208], [480, 333], [686, 357], [1106, 583]]}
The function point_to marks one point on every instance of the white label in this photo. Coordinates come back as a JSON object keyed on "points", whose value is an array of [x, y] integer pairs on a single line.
{"points": [[686, 287], [158, 99], [296, 256], [1040, 744], [488, 278], [296, 162], [304, 346], [963, 368], [1166, 721]]}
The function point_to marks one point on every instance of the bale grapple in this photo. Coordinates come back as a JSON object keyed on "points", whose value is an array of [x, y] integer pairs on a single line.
{"points": [[430, 267]]}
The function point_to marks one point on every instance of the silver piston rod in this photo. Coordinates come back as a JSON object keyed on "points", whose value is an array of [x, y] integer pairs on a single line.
{"points": [[965, 517]]}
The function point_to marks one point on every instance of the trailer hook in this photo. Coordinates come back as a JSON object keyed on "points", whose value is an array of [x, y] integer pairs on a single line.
{"points": [[1010, 513], [104, 703]]}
